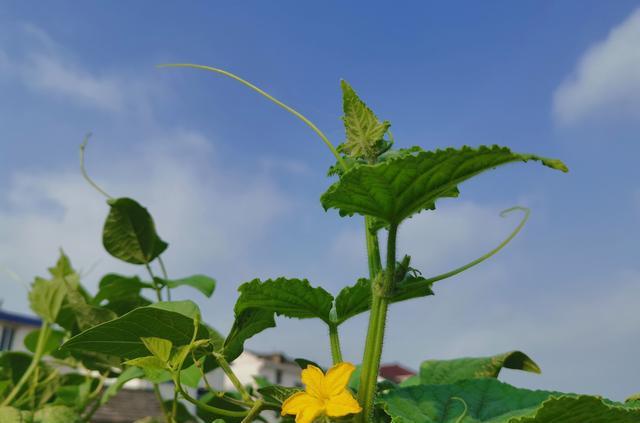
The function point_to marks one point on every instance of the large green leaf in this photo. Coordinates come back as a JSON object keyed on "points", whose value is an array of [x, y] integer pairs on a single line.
{"points": [[202, 283], [491, 401], [396, 189], [356, 299], [450, 371], [129, 233], [364, 131], [288, 297], [248, 323], [52, 343], [121, 337]]}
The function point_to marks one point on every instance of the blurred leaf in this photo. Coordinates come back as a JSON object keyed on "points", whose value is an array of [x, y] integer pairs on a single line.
{"points": [[53, 342], [56, 414], [128, 374], [129, 233], [45, 298]]}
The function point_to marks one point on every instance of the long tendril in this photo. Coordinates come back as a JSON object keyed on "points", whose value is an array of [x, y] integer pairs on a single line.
{"points": [[289, 109]]}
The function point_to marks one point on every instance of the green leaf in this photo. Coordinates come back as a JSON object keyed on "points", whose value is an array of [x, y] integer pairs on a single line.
{"points": [[212, 399], [85, 314], [364, 131], [303, 363], [396, 189], [182, 414], [491, 401], [248, 323], [63, 267], [356, 299], [121, 337], [121, 293], [56, 414], [45, 298], [288, 297], [450, 371], [202, 283], [53, 342], [128, 374], [129, 233], [160, 348]]}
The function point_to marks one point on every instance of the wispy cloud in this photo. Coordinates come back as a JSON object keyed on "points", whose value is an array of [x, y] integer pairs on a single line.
{"points": [[35, 60], [606, 80]]}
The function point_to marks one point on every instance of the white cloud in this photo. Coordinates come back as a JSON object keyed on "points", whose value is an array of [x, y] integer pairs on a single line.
{"points": [[606, 80], [35, 60]]}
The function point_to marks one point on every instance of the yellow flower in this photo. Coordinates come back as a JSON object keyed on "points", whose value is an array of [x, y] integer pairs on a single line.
{"points": [[324, 394]]}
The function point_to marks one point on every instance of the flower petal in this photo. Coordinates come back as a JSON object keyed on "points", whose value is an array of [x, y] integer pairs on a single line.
{"points": [[308, 415], [301, 401], [313, 378], [342, 404], [337, 378]]}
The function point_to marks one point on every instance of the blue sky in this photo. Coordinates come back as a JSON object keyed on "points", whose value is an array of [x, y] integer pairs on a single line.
{"points": [[234, 182]]}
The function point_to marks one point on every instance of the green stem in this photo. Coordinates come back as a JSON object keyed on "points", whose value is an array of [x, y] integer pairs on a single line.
{"points": [[35, 361], [165, 412], [208, 407], [254, 412], [381, 287], [484, 257], [174, 408], [153, 281], [226, 368], [373, 248], [294, 112], [163, 269], [334, 339]]}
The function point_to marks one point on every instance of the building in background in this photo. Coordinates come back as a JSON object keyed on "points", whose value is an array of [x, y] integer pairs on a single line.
{"points": [[14, 328]]}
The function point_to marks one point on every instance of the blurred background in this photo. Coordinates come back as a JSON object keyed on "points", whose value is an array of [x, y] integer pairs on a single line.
{"points": [[233, 182]]}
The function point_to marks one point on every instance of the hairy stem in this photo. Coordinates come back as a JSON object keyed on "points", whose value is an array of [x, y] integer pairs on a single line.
{"points": [[163, 269], [157, 288], [381, 287], [207, 407], [165, 412], [226, 368], [254, 412], [334, 339], [289, 109]]}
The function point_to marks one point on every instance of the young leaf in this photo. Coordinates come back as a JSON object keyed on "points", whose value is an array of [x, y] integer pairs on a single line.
{"points": [[450, 371], [202, 283], [248, 323], [395, 190], [364, 131], [152, 366], [45, 298], [129, 233], [488, 400], [121, 337], [277, 393], [160, 348], [288, 297]]}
